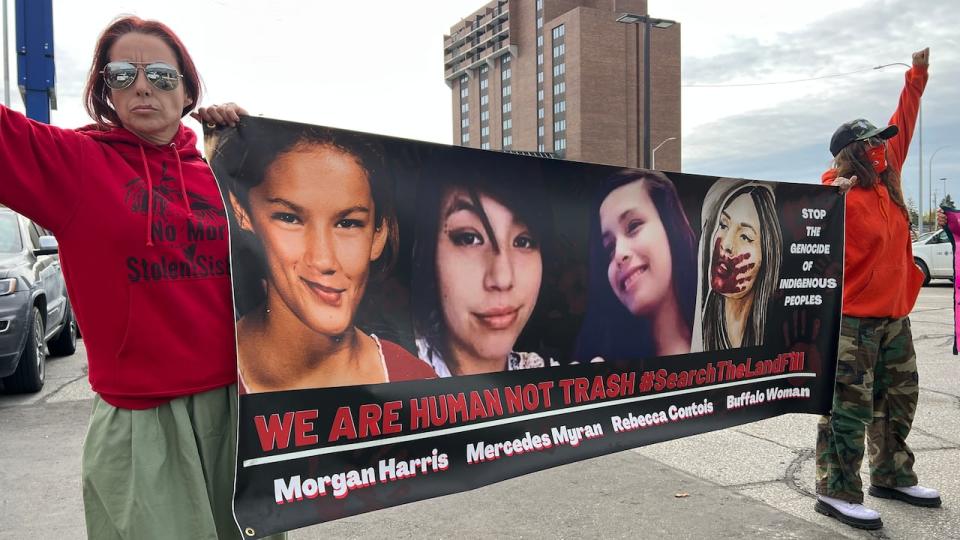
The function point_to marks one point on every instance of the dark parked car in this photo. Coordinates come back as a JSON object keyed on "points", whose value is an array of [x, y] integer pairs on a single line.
{"points": [[35, 314]]}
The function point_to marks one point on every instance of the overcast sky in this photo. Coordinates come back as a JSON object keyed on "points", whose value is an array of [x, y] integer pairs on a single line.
{"points": [[349, 64]]}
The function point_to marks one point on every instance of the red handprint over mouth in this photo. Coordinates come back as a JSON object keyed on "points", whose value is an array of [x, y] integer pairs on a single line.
{"points": [[727, 273]]}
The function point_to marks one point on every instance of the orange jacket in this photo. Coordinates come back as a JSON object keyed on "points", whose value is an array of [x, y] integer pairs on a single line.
{"points": [[880, 278]]}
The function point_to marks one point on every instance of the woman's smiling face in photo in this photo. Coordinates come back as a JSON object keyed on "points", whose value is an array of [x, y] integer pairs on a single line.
{"points": [[489, 270], [315, 215], [640, 266]]}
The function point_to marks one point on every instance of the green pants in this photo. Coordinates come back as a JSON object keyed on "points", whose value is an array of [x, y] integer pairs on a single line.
{"points": [[161, 473], [876, 392]]}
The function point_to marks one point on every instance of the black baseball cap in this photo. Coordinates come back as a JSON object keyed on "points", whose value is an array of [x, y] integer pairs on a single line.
{"points": [[858, 130]]}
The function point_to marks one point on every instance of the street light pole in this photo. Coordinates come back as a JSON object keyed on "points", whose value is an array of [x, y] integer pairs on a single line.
{"points": [[648, 24], [646, 94], [919, 147], [653, 154], [930, 174]]}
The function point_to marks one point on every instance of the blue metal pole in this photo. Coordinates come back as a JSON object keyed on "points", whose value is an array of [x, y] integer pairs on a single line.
{"points": [[35, 64]]}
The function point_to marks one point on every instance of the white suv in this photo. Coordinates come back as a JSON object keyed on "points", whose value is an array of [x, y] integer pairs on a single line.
{"points": [[933, 253]]}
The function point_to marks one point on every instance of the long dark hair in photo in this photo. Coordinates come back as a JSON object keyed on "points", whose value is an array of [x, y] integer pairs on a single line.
{"points": [[713, 331], [513, 181], [609, 329], [241, 160]]}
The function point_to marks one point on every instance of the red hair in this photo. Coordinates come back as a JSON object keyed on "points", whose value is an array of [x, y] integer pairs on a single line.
{"points": [[95, 100]]}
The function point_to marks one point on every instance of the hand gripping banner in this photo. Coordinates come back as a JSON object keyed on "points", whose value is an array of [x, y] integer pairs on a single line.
{"points": [[416, 319]]}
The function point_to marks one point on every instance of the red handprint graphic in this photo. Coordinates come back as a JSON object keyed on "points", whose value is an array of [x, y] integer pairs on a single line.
{"points": [[803, 336], [727, 275]]}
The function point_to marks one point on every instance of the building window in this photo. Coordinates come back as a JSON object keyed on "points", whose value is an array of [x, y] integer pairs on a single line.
{"points": [[506, 91], [505, 74], [507, 140], [507, 124], [506, 60], [464, 109], [507, 107], [484, 75], [485, 146], [559, 91], [539, 52], [541, 148]]}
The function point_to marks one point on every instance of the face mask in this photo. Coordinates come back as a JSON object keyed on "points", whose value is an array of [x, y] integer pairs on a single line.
{"points": [[878, 158]]}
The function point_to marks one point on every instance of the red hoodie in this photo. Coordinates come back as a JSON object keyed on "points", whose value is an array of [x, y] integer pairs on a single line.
{"points": [[880, 278], [143, 245]]}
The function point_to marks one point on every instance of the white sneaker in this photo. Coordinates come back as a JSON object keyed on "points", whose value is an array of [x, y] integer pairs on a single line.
{"points": [[853, 514], [919, 491], [915, 495]]}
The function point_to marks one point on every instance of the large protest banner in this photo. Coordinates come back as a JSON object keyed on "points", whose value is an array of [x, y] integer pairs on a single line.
{"points": [[416, 319]]}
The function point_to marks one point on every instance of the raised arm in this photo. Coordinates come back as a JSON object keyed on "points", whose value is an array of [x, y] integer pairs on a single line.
{"points": [[905, 117], [42, 169]]}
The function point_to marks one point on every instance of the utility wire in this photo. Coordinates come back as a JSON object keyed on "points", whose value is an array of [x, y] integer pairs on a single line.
{"points": [[778, 82]]}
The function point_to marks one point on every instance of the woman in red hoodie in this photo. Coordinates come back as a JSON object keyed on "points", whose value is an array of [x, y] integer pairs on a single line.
{"points": [[876, 382], [141, 228]]}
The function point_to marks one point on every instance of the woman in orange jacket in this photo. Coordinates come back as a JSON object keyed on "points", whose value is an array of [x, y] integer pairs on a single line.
{"points": [[876, 382]]}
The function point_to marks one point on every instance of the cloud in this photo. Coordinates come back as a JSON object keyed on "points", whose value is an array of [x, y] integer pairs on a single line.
{"points": [[849, 39], [785, 135]]}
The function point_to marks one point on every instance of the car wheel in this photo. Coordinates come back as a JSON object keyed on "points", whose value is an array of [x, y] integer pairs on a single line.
{"points": [[925, 270], [31, 370], [65, 343]]}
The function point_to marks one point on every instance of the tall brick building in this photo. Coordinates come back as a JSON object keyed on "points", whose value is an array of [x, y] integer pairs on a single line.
{"points": [[564, 76]]}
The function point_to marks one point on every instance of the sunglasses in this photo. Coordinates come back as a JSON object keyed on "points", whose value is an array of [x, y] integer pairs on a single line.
{"points": [[120, 75]]}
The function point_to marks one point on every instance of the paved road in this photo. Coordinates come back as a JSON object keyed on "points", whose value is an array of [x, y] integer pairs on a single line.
{"points": [[747, 482]]}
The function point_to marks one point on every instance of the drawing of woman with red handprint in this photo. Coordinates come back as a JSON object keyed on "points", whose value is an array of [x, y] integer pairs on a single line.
{"points": [[739, 262]]}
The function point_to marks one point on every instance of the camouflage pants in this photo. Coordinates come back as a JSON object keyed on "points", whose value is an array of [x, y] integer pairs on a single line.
{"points": [[876, 391]]}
